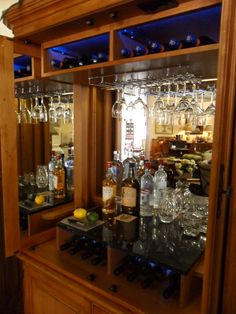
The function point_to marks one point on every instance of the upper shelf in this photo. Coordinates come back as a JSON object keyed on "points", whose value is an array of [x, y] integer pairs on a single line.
{"points": [[90, 54]]}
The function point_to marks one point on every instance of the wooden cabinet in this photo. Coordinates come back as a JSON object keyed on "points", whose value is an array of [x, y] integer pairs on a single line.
{"points": [[93, 146]]}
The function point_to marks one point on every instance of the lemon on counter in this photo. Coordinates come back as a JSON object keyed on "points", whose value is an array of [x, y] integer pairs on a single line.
{"points": [[39, 199], [80, 213]]}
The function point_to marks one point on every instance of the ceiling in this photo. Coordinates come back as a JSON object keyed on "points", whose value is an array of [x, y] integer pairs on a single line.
{"points": [[4, 5]]}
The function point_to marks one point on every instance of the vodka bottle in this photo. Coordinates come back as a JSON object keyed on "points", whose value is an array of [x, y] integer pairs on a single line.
{"points": [[146, 192], [160, 183]]}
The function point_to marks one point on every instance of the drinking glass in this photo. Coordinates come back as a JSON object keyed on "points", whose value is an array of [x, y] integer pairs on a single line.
{"points": [[168, 210], [41, 176], [52, 111]]}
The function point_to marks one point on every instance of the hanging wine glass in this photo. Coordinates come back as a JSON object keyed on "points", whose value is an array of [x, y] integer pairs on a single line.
{"points": [[59, 109], [36, 111], [139, 104], [43, 114], [158, 105], [52, 111], [25, 112], [119, 105], [210, 110], [68, 112]]}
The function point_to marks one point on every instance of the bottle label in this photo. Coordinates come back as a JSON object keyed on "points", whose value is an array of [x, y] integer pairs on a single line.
{"points": [[58, 182], [129, 197], [108, 192], [146, 197]]}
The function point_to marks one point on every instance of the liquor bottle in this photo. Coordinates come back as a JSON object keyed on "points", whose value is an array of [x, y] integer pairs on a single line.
{"points": [[102, 56], [69, 166], [51, 168], [175, 44], [84, 60], [140, 50], [130, 190], [59, 179], [23, 71], [127, 161], [108, 196], [155, 47], [192, 40], [160, 183], [146, 192], [117, 170], [126, 53]]}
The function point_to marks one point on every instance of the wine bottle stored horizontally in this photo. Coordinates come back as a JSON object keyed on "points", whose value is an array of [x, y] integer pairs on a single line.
{"points": [[192, 40], [22, 71]]}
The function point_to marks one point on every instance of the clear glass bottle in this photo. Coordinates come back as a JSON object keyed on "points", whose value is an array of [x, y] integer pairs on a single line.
{"points": [[146, 192], [59, 179], [69, 166], [108, 196], [130, 190], [51, 167], [160, 183]]}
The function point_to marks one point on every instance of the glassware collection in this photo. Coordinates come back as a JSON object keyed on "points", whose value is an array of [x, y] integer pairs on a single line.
{"points": [[35, 106], [179, 98], [146, 193], [55, 179]]}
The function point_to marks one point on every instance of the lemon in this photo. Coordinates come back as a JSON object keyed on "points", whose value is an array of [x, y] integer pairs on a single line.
{"points": [[39, 199], [80, 213]]}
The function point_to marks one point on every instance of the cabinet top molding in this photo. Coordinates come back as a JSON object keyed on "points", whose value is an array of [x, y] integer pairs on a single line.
{"points": [[30, 17]]}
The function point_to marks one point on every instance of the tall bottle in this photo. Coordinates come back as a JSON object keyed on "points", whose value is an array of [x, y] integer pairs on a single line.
{"points": [[126, 163], [59, 179], [146, 192], [117, 170], [108, 196], [160, 183], [69, 166], [130, 191], [51, 168]]}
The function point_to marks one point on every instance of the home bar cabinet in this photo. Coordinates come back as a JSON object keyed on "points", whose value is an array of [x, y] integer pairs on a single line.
{"points": [[53, 281]]}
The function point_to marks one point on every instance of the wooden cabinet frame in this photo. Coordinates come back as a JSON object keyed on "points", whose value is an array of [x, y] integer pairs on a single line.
{"points": [[223, 147]]}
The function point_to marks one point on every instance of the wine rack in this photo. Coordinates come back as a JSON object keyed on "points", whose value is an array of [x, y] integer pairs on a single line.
{"points": [[79, 53], [96, 248], [26, 68], [156, 36]]}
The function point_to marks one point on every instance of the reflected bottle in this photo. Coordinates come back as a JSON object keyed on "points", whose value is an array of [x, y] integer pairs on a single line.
{"points": [[59, 179], [69, 166], [130, 190], [51, 168], [108, 196]]}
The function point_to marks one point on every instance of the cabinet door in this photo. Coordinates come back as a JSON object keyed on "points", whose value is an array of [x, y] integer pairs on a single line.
{"points": [[8, 151], [43, 294]]}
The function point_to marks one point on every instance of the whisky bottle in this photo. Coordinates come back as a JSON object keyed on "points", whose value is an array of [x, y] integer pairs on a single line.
{"points": [[59, 179], [130, 190], [108, 196]]}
